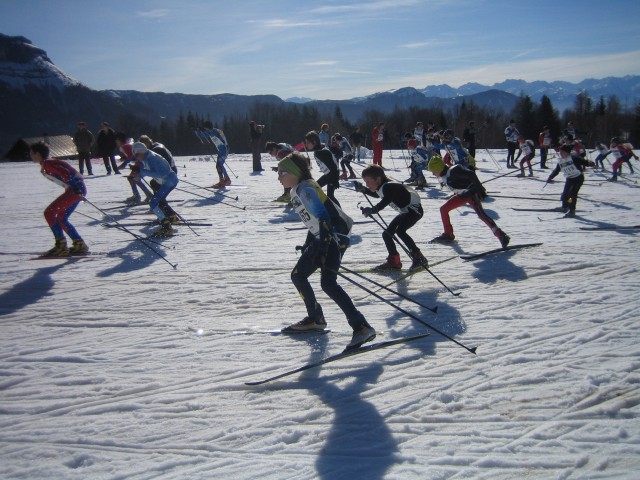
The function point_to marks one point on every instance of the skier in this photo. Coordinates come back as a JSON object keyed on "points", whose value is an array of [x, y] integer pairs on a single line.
{"points": [[458, 154], [527, 147], [164, 152], [467, 190], [126, 155], [150, 164], [58, 212], [603, 152], [572, 167], [327, 239], [347, 156], [406, 202], [326, 162], [420, 156], [279, 151], [622, 155], [218, 139]]}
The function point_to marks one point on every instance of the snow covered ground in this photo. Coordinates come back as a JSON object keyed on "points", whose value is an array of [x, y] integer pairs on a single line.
{"points": [[121, 367]]}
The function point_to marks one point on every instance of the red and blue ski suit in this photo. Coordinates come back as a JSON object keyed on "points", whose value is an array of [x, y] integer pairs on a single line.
{"points": [[58, 212]]}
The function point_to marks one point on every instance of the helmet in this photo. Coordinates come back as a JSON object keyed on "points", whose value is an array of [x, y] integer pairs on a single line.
{"points": [[448, 135]]}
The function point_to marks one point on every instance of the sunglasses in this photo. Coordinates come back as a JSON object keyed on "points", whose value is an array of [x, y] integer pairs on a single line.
{"points": [[282, 173]]}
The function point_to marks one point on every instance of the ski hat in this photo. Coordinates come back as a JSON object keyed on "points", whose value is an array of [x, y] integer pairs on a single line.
{"points": [[288, 165], [139, 147], [436, 165], [412, 144]]}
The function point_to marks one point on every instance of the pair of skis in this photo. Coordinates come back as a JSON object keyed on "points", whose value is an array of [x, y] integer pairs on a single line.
{"points": [[334, 358]]}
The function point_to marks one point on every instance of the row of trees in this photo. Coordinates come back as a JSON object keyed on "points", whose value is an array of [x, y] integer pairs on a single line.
{"points": [[289, 123]]}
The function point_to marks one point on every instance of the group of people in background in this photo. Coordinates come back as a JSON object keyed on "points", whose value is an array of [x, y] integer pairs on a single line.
{"points": [[450, 159]]}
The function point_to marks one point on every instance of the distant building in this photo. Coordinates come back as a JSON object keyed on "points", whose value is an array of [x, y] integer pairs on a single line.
{"points": [[61, 146]]}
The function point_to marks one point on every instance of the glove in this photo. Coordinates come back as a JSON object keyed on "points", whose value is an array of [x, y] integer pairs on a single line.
{"points": [[135, 168], [367, 211], [358, 186]]}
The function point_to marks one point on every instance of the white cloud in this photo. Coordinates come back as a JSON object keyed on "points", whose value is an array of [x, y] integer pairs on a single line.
{"points": [[157, 13]]}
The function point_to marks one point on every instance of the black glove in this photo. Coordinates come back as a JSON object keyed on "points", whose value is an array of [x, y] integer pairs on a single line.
{"points": [[358, 186], [367, 211]]}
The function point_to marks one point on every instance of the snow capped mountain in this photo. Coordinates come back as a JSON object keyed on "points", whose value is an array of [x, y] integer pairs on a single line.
{"points": [[22, 64]]}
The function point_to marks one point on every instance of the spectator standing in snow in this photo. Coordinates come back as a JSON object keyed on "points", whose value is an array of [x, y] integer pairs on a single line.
{"points": [[377, 140], [106, 142], [356, 139], [544, 142], [255, 133], [511, 135], [83, 140], [469, 138]]}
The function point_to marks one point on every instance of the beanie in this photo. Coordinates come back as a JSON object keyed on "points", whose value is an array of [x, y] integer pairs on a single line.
{"points": [[288, 165], [139, 147]]}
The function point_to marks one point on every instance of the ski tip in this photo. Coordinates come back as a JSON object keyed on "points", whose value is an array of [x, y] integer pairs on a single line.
{"points": [[473, 350], [434, 309]]}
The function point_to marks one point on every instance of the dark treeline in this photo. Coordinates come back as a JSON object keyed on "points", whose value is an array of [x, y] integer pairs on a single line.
{"points": [[594, 121]]}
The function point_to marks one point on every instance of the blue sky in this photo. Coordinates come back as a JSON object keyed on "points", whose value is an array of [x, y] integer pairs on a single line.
{"points": [[329, 49]]}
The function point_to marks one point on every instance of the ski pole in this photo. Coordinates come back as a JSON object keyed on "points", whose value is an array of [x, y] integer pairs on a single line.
{"points": [[209, 198], [209, 189], [384, 225], [505, 174], [180, 217], [406, 297], [119, 227], [134, 235], [494, 160], [409, 314]]}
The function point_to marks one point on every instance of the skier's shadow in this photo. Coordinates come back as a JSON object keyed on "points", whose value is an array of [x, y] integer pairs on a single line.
{"points": [[498, 267], [357, 425], [29, 291]]}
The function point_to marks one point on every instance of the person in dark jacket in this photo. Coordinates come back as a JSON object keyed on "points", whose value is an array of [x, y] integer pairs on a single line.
{"points": [[106, 142], [83, 140], [255, 134]]}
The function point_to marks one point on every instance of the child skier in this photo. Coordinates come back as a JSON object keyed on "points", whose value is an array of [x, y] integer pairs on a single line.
{"points": [[216, 137], [467, 191], [58, 212], [150, 164], [327, 239], [527, 147], [571, 166], [347, 156], [622, 154], [406, 202], [603, 152]]}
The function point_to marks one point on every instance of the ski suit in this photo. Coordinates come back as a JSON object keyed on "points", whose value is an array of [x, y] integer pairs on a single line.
{"points": [[572, 168], [154, 166], [467, 190], [327, 239], [407, 203], [58, 212]]}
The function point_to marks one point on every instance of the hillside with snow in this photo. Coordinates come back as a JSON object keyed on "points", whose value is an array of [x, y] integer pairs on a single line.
{"points": [[119, 366]]}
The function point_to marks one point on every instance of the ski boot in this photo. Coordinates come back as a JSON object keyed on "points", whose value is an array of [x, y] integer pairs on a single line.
{"points": [[392, 263], [418, 261], [60, 249], [165, 230], [78, 248], [444, 238], [307, 324]]}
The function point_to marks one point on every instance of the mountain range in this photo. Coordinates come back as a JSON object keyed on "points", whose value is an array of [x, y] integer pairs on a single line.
{"points": [[36, 97]]}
